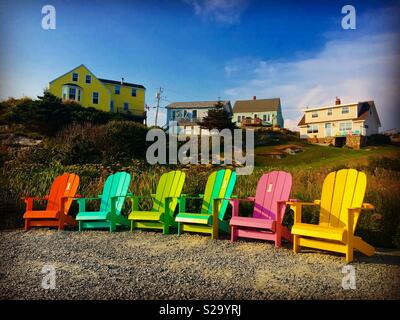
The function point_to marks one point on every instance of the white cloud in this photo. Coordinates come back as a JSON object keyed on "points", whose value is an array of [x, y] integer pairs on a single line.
{"points": [[223, 11], [354, 68]]}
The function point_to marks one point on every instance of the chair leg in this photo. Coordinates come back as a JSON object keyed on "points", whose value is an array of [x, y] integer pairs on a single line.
{"points": [[349, 254], [80, 226], [113, 226], [233, 234], [278, 240], [296, 246], [61, 224], [132, 226], [27, 225], [179, 229], [165, 228]]}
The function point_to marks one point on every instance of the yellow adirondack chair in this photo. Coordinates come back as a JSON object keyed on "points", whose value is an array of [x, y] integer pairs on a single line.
{"points": [[340, 206]]}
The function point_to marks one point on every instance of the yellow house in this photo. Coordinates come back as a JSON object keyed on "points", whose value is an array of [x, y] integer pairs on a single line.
{"points": [[82, 86], [340, 124]]}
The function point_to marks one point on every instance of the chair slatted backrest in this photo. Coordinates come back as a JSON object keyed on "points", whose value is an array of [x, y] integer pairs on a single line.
{"points": [[116, 184], [169, 185], [65, 185], [220, 184], [341, 190], [271, 187]]}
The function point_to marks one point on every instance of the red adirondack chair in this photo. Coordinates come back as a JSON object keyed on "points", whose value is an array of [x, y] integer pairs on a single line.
{"points": [[273, 190], [59, 201]]}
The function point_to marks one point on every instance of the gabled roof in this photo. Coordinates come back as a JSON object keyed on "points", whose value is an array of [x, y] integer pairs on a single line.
{"points": [[127, 84], [302, 121], [102, 80], [258, 105], [365, 108], [196, 104]]}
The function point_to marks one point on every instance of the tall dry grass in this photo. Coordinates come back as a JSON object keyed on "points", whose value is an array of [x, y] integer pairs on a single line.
{"points": [[380, 227]]}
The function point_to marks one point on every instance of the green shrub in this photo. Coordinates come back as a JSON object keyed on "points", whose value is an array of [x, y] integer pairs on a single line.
{"points": [[48, 114], [123, 140]]}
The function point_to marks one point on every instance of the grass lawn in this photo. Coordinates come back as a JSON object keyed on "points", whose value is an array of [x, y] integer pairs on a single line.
{"points": [[314, 156]]}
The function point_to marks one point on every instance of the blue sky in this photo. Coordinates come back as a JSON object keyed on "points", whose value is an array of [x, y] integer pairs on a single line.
{"points": [[210, 49]]}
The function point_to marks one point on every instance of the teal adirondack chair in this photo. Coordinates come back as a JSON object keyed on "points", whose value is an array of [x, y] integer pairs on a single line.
{"points": [[111, 203], [161, 216], [219, 186]]}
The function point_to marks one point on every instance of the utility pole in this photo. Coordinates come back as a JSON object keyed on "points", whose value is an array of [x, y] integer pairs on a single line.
{"points": [[158, 97]]}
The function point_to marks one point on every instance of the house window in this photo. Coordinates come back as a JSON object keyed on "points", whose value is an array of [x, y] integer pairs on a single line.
{"points": [[329, 113], [126, 106], [173, 114], [88, 78], [95, 98], [133, 92], [74, 76], [264, 117], [313, 128], [314, 114], [345, 110], [71, 93], [345, 126], [194, 114], [117, 90], [79, 95], [112, 106]]}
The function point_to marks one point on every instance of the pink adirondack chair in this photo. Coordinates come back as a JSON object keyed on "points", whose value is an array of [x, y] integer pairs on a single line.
{"points": [[273, 190]]}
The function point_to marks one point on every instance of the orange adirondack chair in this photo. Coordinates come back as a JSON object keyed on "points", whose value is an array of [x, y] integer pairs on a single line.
{"points": [[59, 201]]}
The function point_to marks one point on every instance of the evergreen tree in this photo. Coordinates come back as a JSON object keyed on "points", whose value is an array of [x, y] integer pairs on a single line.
{"points": [[217, 118]]}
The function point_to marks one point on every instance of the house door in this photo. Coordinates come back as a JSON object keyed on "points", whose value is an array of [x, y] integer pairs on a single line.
{"points": [[328, 129]]}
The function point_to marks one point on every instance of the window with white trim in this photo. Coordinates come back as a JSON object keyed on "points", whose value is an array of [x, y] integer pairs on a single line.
{"points": [[329, 112], [312, 128], [314, 114], [133, 92], [71, 93], [95, 98], [345, 110], [74, 76], [126, 106], [345, 126], [88, 79]]}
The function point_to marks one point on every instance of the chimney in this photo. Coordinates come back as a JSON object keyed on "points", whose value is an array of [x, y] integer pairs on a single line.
{"points": [[337, 102], [254, 98], [122, 80]]}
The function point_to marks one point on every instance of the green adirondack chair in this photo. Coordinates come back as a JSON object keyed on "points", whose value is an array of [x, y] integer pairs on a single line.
{"points": [[161, 216], [111, 203], [219, 185]]}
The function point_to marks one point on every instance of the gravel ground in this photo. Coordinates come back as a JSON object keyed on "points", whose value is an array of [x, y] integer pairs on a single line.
{"points": [[148, 265]]}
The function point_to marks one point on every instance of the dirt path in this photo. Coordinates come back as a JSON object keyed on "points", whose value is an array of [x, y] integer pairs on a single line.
{"points": [[148, 265]]}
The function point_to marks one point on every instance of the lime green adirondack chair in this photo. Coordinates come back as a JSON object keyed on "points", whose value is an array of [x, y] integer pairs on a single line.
{"points": [[161, 216], [220, 185], [111, 203]]}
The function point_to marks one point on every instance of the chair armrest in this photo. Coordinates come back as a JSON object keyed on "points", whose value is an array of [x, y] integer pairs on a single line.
{"points": [[29, 201], [296, 206], [296, 202], [84, 198], [35, 198], [182, 201]]}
